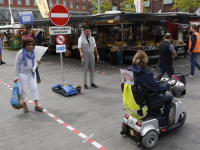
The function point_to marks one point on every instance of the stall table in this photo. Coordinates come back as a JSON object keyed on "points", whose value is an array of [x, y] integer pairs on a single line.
{"points": [[181, 50], [77, 53], [153, 55]]}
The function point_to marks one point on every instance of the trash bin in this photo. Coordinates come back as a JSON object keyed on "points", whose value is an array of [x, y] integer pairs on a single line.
{"points": [[114, 58], [120, 57], [17, 42]]}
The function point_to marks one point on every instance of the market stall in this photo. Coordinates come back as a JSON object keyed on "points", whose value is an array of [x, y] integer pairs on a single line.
{"points": [[127, 32]]}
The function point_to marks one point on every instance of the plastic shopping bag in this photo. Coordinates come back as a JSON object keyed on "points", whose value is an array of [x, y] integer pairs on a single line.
{"points": [[39, 52], [16, 100]]}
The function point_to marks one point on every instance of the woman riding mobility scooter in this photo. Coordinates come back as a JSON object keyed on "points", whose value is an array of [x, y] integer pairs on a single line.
{"points": [[145, 121]]}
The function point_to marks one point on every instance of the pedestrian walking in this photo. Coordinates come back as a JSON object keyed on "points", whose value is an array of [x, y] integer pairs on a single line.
{"points": [[101, 43], [1, 47], [23, 72], [39, 38], [87, 47], [30, 35], [6, 39], [194, 49], [166, 55]]}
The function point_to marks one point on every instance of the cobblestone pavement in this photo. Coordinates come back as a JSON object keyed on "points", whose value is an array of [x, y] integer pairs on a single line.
{"points": [[94, 111]]}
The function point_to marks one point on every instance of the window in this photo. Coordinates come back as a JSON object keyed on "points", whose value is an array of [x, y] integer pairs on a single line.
{"points": [[19, 2], [71, 4], [7, 14], [35, 4], [50, 3], [83, 5], [64, 3], [1, 1], [27, 2], [77, 5], [57, 1], [146, 3], [167, 1], [11, 1]]}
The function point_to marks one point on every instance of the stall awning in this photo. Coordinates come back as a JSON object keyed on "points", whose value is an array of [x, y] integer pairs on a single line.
{"points": [[16, 26]]}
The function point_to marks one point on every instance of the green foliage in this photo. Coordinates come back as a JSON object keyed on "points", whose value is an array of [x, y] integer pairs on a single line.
{"points": [[106, 5], [186, 4], [127, 5]]}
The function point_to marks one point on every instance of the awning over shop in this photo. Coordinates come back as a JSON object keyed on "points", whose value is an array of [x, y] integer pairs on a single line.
{"points": [[16, 26], [175, 17]]}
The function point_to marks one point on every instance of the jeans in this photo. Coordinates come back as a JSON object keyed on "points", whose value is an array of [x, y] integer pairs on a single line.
{"points": [[193, 60], [102, 54], [169, 69], [167, 99]]}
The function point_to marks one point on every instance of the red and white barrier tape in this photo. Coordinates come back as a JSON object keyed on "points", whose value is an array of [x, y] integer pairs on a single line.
{"points": [[97, 145], [104, 73], [96, 64]]}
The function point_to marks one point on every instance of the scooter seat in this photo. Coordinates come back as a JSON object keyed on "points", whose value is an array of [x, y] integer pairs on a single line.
{"points": [[155, 108]]}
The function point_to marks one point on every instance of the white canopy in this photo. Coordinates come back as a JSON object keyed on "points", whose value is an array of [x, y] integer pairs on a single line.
{"points": [[15, 26]]}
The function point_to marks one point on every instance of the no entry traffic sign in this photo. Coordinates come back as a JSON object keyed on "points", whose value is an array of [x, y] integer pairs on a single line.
{"points": [[59, 15], [60, 39]]}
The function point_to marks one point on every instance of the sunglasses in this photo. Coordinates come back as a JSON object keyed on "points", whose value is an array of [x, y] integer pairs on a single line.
{"points": [[30, 44]]}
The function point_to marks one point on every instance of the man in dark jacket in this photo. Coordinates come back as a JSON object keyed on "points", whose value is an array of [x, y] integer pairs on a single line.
{"points": [[166, 55], [39, 38]]}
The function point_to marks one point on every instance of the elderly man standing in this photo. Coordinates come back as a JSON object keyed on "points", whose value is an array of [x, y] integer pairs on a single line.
{"points": [[87, 47]]}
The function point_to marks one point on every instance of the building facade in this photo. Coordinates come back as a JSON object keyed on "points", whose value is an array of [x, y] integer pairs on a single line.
{"points": [[75, 7], [155, 6]]}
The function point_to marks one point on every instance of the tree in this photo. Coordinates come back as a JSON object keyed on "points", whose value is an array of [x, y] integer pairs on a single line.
{"points": [[186, 4], [128, 5], [105, 5]]}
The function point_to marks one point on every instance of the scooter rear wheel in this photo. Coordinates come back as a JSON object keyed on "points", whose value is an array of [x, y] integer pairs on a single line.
{"points": [[150, 139]]}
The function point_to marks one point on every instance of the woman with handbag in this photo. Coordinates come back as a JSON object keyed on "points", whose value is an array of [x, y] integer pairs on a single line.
{"points": [[24, 74]]}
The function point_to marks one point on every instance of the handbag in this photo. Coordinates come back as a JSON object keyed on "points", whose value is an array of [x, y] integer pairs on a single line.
{"points": [[180, 77], [16, 100]]}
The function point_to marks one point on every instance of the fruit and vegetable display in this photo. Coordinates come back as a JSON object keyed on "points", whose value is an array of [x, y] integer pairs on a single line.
{"points": [[177, 43]]}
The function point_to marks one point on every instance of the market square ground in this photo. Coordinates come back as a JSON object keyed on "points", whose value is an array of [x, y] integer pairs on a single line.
{"points": [[94, 111]]}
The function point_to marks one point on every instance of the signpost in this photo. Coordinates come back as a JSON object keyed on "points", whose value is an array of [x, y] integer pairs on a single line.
{"points": [[59, 30], [60, 39], [59, 16]]}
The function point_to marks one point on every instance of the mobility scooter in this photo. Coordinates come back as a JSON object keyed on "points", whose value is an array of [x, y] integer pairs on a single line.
{"points": [[147, 129]]}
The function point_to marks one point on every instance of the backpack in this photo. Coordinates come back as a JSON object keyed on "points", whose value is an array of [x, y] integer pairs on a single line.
{"points": [[180, 77]]}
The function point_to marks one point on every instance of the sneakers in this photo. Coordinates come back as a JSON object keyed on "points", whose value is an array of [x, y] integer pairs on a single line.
{"points": [[170, 121], [190, 76], [100, 61]]}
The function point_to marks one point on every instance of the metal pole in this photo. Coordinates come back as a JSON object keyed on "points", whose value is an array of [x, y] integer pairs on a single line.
{"points": [[141, 30], [133, 5], [122, 36], [61, 62], [99, 7]]}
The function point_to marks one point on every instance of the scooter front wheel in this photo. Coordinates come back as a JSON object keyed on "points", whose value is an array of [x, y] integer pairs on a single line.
{"points": [[150, 139]]}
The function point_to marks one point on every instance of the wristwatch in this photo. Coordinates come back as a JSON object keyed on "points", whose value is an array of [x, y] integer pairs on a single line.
{"points": [[97, 55]]}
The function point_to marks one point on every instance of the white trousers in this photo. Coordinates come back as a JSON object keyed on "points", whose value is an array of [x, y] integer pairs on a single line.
{"points": [[24, 79]]}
